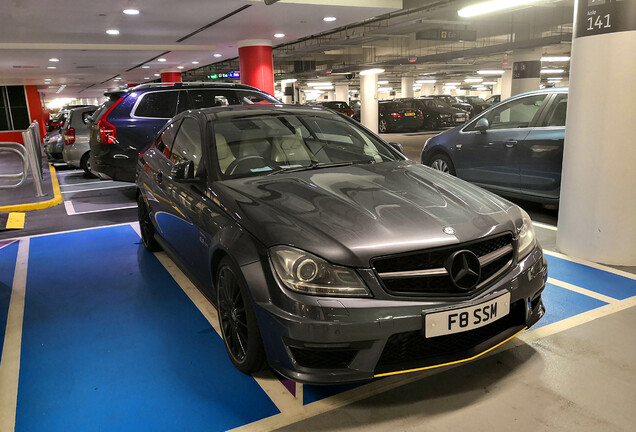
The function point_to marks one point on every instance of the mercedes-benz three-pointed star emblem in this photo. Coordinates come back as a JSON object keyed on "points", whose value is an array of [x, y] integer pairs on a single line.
{"points": [[464, 269]]}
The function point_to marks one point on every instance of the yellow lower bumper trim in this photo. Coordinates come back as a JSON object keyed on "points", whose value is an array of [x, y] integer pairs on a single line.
{"points": [[450, 363]]}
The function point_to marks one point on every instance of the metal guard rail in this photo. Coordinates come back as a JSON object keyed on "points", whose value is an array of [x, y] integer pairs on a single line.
{"points": [[20, 150], [31, 156]]}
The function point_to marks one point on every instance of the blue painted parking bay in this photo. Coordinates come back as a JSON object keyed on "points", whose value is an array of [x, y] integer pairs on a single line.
{"points": [[111, 342]]}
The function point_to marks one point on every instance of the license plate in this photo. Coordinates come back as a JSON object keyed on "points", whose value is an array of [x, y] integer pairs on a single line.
{"points": [[409, 114], [467, 318]]}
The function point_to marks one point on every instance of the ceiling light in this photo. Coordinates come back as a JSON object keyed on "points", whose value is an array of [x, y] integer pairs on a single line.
{"points": [[54, 60], [161, 59], [491, 6], [552, 71], [329, 19], [555, 59], [118, 79], [318, 83], [157, 75], [383, 82], [473, 80], [481, 88], [489, 83], [62, 87], [146, 78], [131, 11], [554, 79], [112, 32], [195, 62], [179, 67], [371, 71], [324, 87], [279, 35], [448, 84], [425, 81], [285, 81], [491, 72], [51, 67], [217, 55], [145, 67], [385, 89]]}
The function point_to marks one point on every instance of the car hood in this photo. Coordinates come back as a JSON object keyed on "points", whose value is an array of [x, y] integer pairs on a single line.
{"points": [[449, 110], [349, 215]]}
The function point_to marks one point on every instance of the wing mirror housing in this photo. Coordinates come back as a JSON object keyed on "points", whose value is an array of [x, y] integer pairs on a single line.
{"points": [[183, 172], [482, 125], [397, 146]]}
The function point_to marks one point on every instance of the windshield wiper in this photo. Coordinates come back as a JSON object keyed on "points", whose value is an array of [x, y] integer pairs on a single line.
{"points": [[316, 165]]}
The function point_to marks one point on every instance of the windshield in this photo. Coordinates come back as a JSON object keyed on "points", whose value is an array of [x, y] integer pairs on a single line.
{"points": [[271, 144], [432, 103]]}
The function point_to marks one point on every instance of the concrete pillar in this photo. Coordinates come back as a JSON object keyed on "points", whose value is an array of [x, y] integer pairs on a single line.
{"points": [[369, 98], [170, 76], [506, 84], [427, 89], [342, 92], [331, 95], [526, 71], [257, 64], [407, 87], [598, 201]]}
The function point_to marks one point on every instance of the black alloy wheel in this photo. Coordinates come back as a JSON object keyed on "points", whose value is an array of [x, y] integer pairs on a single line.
{"points": [[145, 226], [382, 126], [239, 327], [442, 163], [85, 164]]}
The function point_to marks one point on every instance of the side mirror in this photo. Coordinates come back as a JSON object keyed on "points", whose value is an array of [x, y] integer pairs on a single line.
{"points": [[182, 171], [482, 124], [397, 146]]}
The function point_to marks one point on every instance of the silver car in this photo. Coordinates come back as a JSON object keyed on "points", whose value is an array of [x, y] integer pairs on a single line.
{"points": [[75, 134]]}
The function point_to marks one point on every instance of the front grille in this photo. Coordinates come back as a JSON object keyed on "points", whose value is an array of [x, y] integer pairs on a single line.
{"points": [[439, 283], [323, 358], [412, 349]]}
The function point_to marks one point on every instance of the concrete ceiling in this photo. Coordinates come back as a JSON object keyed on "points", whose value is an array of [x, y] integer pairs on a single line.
{"points": [[74, 31]]}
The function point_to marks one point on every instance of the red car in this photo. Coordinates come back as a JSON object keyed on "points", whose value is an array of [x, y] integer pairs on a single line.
{"points": [[340, 106]]}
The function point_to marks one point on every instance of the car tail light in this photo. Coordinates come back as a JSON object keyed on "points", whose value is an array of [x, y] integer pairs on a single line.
{"points": [[107, 131], [69, 136], [395, 115]]}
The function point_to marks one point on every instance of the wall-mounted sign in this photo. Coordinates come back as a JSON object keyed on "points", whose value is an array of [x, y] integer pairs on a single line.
{"points": [[595, 17], [446, 35], [233, 75], [526, 69]]}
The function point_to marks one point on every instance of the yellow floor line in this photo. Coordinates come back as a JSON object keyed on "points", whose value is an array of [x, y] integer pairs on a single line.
{"points": [[57, 198], [15, 221]]}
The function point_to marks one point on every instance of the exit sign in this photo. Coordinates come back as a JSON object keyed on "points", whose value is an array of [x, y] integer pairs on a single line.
{"points": [[446, 35]]}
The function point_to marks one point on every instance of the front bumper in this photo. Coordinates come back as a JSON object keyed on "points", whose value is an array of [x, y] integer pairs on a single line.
{"points": [[336, 340]]}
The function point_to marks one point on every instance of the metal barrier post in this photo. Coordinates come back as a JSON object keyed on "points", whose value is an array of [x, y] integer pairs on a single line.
{"points": [[36, 166], [35, 134]]}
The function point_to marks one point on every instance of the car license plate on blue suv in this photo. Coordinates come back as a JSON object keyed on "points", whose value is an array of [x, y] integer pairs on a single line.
{"points": [[466, 318]]}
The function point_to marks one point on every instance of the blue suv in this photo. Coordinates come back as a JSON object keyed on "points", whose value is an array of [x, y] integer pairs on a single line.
{"points": [[514, 148], [128, 121]]}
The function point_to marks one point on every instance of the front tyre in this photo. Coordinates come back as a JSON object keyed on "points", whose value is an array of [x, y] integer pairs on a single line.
{"points": [[239, 328], [145, 226], [441, 162], [382, 126], [85, 164]]}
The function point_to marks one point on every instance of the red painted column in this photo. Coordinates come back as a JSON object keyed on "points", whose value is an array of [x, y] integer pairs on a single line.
{"points": [[257, 64], [170, 76]]}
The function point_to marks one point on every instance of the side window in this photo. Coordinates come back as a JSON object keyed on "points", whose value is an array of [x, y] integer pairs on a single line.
{"points": [[558, 110], [515, 114], [86, 115], [206, 98], [183, 102], [160, 104], [165, 141], [187, 143]]}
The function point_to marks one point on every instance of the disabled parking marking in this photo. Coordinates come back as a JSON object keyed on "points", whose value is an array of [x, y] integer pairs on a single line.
{"points": [[586, 292], [590, 264], [11, 348]]}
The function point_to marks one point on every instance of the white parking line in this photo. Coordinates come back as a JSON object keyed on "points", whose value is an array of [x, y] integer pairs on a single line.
{"points": [[70, 210], [591, 264], [97, 189], [69, 204], [85, 183], [10, 363], [584, 291]]}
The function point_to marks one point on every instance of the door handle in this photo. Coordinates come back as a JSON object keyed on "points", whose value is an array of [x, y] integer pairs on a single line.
{"points": [[511, 143]]}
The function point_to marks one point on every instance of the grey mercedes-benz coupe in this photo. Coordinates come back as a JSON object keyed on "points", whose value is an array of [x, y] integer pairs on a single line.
{"points": [[328, 254]]}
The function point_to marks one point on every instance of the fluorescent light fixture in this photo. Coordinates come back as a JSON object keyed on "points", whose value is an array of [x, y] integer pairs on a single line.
{"points": [[385, 89], [383, 82], [326, 87], [552, 71], [490, 72], [285, 81], [555, 59], [62, 87], [195, 62], [473, 80], [481, 88], [554, 79], [491, 6], [145, 67], [319, 83], [180, 67], [371, 71], [131, 11], [449, 84], [112, 32], [59, 102], [489, 83], [157, 75], [431, 81], [161, 59], [51, 67], [279, 35], [54, 60], [118, 78], [217, 55], [146, 78], [329, 19]]}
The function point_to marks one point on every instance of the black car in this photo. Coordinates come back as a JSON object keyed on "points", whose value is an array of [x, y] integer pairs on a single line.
{"points": [[436, 113], [328, 254], [339, 106], [476, 102], [494, 99], [128, 121], [394, 116], [454, 102]]}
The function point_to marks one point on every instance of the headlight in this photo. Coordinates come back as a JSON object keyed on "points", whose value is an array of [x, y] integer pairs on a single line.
{"points": [[526, 238], [305, 273]]}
